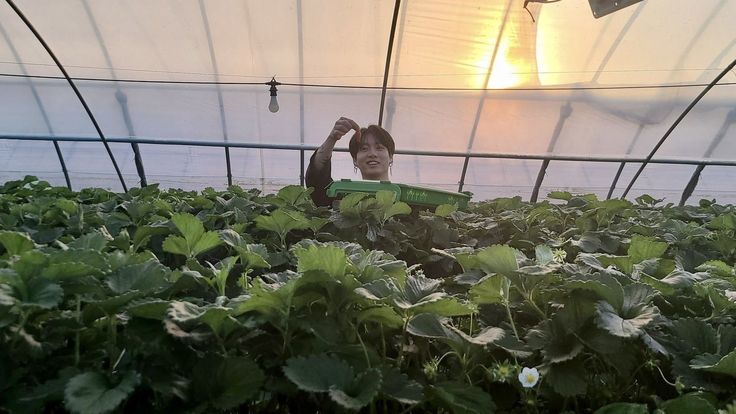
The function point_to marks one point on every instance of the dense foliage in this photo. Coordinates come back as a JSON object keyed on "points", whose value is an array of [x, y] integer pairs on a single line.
{"points": [[168, 301]]}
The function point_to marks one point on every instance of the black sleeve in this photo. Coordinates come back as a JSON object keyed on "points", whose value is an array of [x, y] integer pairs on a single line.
{"points": [[319, 179]]}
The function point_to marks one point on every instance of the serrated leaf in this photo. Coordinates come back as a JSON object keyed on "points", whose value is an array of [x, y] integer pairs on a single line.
{"points": [[16, 243], [145, 277], [429, 325], [216, 317], [69, 270], [42, 293], [149, 309], [360, 392], [543, 254], [628, 326], [642, 248], [568, 378], [398, 386], [92, 393], [688, 404], [227, 382], [497, 259], [318, 373], [381, 314], [460, 398], [328, 258], [282, 221], [605, 286], [725, 365], [623, 408], [444, 307], [96, 241], [444, 210], [489, 290]]}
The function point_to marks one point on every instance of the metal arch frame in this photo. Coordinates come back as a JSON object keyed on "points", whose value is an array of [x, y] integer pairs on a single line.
{"points": [[213, 59], [397, 6], [41, 108], [566, 110], [482, 100], [74, 87], [300, 41], [685, 52], [120, 96], [256, 145], [675, 124], [690, 187]]}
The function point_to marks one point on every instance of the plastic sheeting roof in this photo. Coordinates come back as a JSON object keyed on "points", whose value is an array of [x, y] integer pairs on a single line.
{"points": [[486, 77]]}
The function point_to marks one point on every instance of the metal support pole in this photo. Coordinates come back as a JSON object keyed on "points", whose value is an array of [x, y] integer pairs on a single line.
{"points": [[565, 112], [39, 103], [74, 88], [397, 6], [690, 187], [676, 123]]}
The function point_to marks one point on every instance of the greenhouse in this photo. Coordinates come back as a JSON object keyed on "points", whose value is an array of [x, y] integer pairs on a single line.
{"points": [[162, 248]]}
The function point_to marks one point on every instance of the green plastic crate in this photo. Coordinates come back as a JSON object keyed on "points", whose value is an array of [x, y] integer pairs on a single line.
{"points": [[409, 194]]}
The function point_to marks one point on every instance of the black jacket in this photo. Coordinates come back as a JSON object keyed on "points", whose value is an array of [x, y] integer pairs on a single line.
{"points": [[320, 179]]}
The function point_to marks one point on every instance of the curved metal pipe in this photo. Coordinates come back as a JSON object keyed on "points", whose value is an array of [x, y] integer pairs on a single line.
{"points": [[397, 6], [482, 100], [213, 60], [74, 87], [41, 108], [676, 123], [120, 96]]}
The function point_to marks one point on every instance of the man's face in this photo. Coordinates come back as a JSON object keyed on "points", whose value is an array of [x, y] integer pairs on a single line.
{"points": [[373, 159]]}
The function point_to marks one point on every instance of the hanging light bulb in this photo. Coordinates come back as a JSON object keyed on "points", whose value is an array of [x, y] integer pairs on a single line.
{"points": [[273, 106]]}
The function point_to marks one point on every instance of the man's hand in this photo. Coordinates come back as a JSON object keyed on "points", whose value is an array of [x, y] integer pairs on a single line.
{"points": [[342, 127]]}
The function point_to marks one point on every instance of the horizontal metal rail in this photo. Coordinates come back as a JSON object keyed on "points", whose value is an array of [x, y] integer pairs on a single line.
{"points": [[541, 157]]}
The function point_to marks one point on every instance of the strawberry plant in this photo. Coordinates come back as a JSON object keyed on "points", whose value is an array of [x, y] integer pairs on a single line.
{"points": [[230, 301]]}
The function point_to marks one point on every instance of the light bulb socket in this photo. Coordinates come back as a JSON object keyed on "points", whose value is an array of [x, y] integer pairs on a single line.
{"points": [[273, 84]]}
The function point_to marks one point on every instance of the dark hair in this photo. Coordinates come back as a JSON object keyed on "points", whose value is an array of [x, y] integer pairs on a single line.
{"points": [[381, 135]]}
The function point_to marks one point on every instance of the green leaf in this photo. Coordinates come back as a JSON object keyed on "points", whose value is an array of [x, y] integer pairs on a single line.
{"points": [[360, 392], [688, 404], [96, 241], [328, 258], [429, 325], [93, 393], [145, 277], [282, 221], [227, 382], [195, 240], [543, 254], [444, 307], [69, 271], [490, 290], [605, 286], [568, 378], [318, 373], [628, 324], [642, 248], [498, 259], [149, 308], [444, 210], [623, 408], [725, 365], [398, 386], [461, 398], [15, 243], [381, 314], [42, 293], [723, 222], [216, 317]]}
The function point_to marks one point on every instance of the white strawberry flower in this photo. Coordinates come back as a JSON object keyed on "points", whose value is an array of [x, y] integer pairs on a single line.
{"points": [[529, 377]]}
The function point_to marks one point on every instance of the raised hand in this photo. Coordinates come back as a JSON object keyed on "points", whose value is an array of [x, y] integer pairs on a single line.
{"points": [[342, 127]]}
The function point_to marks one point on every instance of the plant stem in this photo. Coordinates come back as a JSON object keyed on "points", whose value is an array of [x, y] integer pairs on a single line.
{"points": [[77, 335], [403, 340], [511, 319]]}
